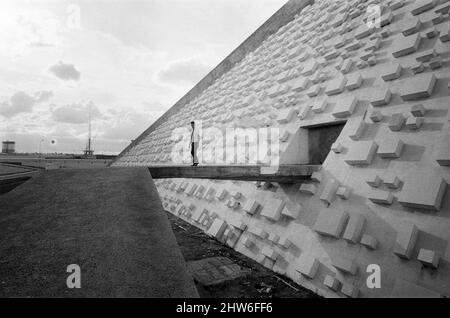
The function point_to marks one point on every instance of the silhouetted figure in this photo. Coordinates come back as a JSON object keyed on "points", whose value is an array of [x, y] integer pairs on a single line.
{"points": [[195, 139]]}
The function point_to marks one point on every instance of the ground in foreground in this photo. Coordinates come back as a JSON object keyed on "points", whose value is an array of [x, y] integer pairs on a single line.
{"points": [[258, 283]]}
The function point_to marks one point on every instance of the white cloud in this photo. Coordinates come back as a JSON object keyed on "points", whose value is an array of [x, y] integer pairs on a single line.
{"points": [[65, 71], [185, 71], [75, 113], [21, 102]]}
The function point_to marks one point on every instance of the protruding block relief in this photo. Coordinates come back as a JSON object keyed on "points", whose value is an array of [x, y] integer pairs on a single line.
{"points": [[421, 192], [369, 241], [405, 45], [272, 209], [390, 148], [429, 258], [345, 107], [354, 228], [381, 197], [406, 240], [361, 153], [332, 282], [331, 222], [308, 266], [418, 87]]}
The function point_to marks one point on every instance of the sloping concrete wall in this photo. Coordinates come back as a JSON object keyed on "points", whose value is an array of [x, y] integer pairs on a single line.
{"points": [[381, 199]]}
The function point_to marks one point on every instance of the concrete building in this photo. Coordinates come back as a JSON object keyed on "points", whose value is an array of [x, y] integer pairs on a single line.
{"points": [[8, 147], [358, 87]]}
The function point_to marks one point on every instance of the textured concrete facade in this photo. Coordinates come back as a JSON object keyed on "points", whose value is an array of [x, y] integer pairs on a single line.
{"points": [[381, 197]]}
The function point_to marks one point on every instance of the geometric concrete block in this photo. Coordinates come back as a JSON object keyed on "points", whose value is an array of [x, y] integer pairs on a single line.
{"points": [[191, 190], [285, 116], [345, 107], [363, 31], [217, 228], [361, 153], [423, 193], [345, 265], [444, 35], [336, 86], [210, 194], [411, 26], [299, 84], [251, 206], [381, 197], [417, 67], [418, 110], [248, 242], [272, 209], [337, 147], [396, 122], [392, 182], [428, 258], [285, 136], [331, 222], [354, 228], [374, 182], [222, 195], [418, 87], [319, 106], [414, 122], [308, 188], [357, 132], [258, 232], [236, 194], [376, 116], [422, 6], [349, 290], [380, 96], [332, 283], [392, 73], [304, 112], [308, 266], [426, 56], [274, 238], [443, 8], [406, 240], [314, 90], [316, 176], [200, 191], [233, 204], [284, 242], [369, 241], [405, 45], [390, 147], [310, 68], [329, 191], [343, 193], [270, 253], [354, 81], [436, 62]]}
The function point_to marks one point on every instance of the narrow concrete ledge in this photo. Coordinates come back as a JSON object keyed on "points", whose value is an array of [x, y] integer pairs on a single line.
{"points": [[284, 173]]}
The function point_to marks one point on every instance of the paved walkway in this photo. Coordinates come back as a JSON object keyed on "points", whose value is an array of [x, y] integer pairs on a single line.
{"points": [[110, 222]]}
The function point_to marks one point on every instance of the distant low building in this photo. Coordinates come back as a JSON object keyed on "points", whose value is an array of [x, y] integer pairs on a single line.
{"points": [[8, 147]]}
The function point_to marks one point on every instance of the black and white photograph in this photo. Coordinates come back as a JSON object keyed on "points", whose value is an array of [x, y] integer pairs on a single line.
{"points": [[225, 155]]}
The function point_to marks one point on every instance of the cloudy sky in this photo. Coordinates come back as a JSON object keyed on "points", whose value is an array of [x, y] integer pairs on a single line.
{"points": [[126, 61]]}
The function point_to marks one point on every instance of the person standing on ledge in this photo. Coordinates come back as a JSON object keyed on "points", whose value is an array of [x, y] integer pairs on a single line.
{"points": [[195, 139]]}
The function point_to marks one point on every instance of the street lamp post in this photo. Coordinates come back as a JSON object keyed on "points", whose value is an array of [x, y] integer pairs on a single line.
{"points": [[40, 154]]}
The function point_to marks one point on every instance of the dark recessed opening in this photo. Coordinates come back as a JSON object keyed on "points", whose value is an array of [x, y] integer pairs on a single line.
{"points": [[320, 140]]}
